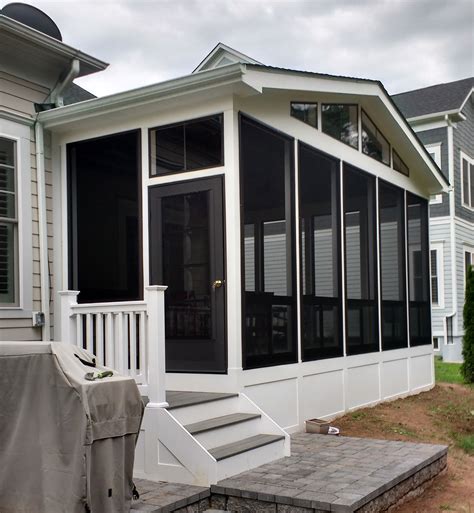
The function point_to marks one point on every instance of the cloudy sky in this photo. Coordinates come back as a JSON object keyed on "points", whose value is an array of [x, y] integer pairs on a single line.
{"points": [[404, 43]]}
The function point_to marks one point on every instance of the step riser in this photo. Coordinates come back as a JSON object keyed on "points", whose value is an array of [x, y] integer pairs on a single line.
{"points": [[205, 411], [250, 459], [229, 434]]}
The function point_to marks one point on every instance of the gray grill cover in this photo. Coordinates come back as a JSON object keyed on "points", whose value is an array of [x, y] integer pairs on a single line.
{"points": [[65, 442]]}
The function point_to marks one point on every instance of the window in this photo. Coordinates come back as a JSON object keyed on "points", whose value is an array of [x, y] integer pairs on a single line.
{"points": [[374, 143], [436, 343], [320, 254], [341, 122], [268, 245], [418, 270], [436, 273], [306, 112], [104, 214], [187, 146], [399, 165], [360, 261], [468, 262], [392, 266], [449, 330], [8, 223], [467, 181]]}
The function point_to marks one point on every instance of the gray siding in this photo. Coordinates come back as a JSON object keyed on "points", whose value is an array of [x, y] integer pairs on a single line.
{"points": [[463, 139], [438, 135]]}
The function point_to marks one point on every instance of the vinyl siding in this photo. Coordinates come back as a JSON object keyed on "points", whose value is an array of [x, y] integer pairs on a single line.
{"points": [[463, 139], [438, 135], [441, 233], [18, 96]]}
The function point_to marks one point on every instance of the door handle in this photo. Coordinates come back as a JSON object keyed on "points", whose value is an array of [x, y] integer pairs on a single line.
{"points": [[217, 284]]}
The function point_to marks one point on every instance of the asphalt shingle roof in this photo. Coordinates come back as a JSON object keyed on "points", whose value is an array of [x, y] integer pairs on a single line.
{"points": [[76, 94], [437, 98]]}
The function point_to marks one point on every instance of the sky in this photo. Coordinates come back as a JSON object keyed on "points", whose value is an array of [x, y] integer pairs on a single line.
{"points": [[407, 44]]}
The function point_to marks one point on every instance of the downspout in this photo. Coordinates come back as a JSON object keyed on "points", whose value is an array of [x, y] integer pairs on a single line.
{"points": [[42, 230], [57, 93], [56, 97], [452, 213]]}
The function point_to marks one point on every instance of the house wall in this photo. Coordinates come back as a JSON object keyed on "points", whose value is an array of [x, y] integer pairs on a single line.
{"points": [[17, 97], [438, 135]]}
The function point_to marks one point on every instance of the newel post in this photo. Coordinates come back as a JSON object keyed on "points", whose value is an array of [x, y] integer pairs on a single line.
{"points": [[155, 300], [67, 328]]}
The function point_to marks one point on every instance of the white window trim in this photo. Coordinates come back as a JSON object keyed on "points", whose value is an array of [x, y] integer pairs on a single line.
{"points": [[466, 249], [438, 247], [435, 150], [21, 135], [463, 156], [440, 343]]}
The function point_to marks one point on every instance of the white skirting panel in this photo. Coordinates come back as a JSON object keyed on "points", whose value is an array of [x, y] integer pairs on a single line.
{"points": [[278, 398], [291, 394]]}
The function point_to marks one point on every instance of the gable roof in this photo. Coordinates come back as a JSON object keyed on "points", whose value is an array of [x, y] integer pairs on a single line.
{"points": [[438, 98], [222, 55]]}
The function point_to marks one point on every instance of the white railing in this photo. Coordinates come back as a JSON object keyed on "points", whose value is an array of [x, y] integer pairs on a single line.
{"points": [[126, 336]]}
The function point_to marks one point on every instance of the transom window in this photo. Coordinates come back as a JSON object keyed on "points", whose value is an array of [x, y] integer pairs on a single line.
{"points": [[398, 164], [8, 222], [306, 112], [467, 174], [341, 122], [374, 143], [188, 146]]}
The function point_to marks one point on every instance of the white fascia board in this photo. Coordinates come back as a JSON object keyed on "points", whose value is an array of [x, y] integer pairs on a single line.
{"points": [[219, 77], [89, 64], [295, 80]]}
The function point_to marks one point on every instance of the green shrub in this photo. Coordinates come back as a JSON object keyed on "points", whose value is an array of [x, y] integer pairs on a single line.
{"points": [[467, 368]]}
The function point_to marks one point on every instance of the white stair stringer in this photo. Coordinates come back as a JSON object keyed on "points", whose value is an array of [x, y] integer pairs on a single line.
{"points": [[167, 451]]}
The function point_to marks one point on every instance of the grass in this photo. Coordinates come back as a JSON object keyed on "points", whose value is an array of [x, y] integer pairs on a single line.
{"points": [[466, 443], [448, 372]]}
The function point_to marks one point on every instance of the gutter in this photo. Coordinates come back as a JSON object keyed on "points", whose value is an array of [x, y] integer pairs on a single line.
{"points": [[57, 93], [42, 230]]}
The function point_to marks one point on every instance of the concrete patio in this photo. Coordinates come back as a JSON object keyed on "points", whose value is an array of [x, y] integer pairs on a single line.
{"points": [[324, 473]]}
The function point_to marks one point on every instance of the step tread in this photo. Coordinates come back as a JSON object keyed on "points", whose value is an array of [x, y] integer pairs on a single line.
{"points": [[177, 399], [217, 422], [244, 445]]}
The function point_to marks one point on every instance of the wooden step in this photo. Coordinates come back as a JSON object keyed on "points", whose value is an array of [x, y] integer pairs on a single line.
{"points": [[178, 399], [218, 422], [247, 444]]}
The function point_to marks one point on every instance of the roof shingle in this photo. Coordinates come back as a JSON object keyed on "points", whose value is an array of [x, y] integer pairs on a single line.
{"points": [[436, 98]]}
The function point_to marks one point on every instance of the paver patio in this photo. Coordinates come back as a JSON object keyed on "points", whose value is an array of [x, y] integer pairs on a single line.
{"points": [[324, 473]]}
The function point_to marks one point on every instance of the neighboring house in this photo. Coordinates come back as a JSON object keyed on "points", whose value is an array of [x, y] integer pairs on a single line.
{"points": [[443, 118], [286, 212]]}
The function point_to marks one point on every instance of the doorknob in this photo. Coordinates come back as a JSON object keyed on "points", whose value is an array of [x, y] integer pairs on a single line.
{"points": [[217, 284]]}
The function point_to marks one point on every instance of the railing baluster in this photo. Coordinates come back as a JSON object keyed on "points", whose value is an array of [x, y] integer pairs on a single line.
{"points": [[142, 341], [120, 341], [79, 340], [109, 341], [99, 337], [133, 344], [89, 333]]}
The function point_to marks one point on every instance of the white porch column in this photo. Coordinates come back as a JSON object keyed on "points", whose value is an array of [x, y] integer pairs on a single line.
{"points": [[67, 327], [155, 300]]}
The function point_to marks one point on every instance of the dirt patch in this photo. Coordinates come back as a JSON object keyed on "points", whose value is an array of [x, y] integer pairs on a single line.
{"points": [[444, 415]]}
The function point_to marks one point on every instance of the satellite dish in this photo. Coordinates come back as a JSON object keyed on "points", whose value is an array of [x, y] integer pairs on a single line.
{"points": [[33, 17]]}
